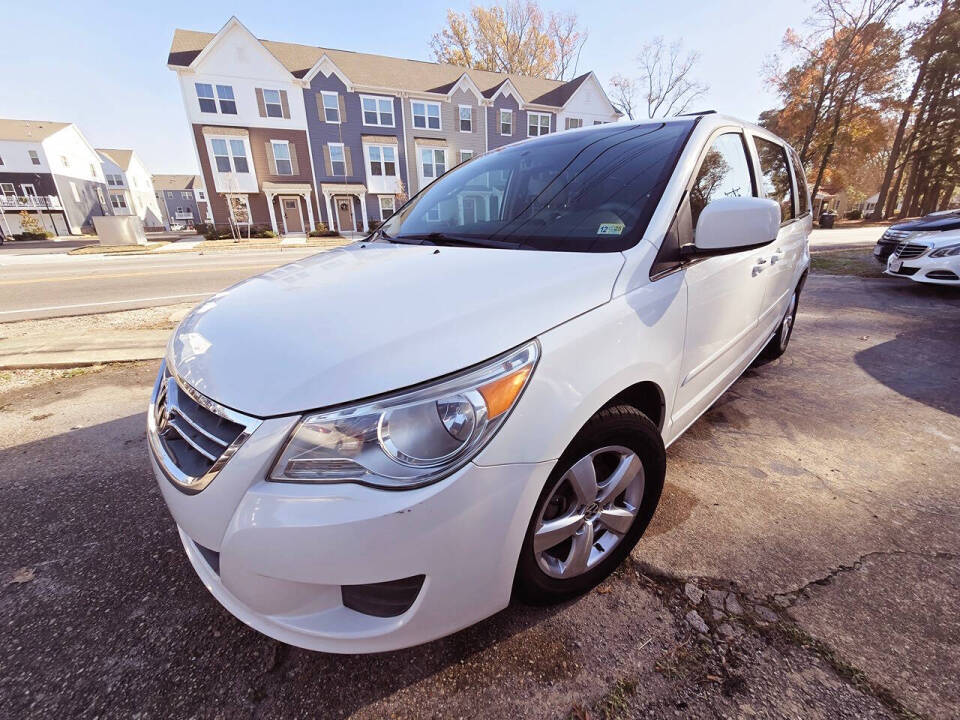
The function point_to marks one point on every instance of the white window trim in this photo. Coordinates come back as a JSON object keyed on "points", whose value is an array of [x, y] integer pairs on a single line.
{"points": [[424, 180], [509, 112], [376, 99], [332, 161], [34, 157], [32, 192], [393, 203], [336, 102], [276, 160], [530, 114], [4, 189], [460, 155], [278, 103], [460, 119], [233, 165], [425, 103], [76, 193], [383, 162]]}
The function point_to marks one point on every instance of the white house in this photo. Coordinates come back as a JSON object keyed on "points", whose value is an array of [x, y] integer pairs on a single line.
{"points": [[130, 187]]}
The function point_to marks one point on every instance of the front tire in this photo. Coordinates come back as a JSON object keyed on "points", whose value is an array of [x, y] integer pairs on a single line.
{"points": [[594, 507]]}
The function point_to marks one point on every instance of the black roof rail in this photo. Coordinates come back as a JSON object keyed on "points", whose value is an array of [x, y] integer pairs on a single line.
{"points": [[700, 112]]}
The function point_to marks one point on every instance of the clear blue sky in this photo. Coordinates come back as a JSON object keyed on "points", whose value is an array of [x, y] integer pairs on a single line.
{"points": [[103, 66]]}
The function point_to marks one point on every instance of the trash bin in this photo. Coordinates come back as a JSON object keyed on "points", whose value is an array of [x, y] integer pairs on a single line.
{"points": [[827, 219]]}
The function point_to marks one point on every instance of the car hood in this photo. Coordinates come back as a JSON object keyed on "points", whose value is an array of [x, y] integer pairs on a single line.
{"points": [[947, 221], [359, 321]]}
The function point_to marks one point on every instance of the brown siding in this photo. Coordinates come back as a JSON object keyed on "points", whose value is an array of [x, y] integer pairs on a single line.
{"points": [[259, 140]]}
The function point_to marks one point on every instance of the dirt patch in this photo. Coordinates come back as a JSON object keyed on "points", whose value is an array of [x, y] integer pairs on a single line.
{"points": [[857, 262]]}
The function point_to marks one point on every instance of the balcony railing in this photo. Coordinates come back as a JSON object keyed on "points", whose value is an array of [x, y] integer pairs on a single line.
{"points": [[185, 215], [30, 202]]}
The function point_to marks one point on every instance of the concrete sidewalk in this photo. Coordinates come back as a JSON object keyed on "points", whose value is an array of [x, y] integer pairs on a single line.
{"points": [[70, 350]]}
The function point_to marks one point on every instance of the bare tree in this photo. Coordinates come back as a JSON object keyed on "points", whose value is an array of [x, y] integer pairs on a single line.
{"points": [[666, 71], [623, 94], [665, 81]]}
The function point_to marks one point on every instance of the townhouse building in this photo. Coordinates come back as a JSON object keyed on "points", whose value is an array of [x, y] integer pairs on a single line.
{"points": [[130, 187], [289, 135], [182, 200], [50, 171]]}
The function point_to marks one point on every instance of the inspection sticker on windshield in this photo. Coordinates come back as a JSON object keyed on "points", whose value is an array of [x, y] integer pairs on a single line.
{"points": [[610, 229]]}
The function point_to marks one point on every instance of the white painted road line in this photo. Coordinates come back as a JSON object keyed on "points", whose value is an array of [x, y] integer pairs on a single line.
{"points": [[107, 302]]}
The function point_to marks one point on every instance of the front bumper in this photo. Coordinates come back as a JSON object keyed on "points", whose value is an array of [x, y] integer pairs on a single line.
{"points": [[276, 555], [935, 271]]}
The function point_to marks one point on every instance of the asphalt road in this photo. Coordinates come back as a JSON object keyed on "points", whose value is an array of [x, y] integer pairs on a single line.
{"points": [[56, 285], [821, 490]]}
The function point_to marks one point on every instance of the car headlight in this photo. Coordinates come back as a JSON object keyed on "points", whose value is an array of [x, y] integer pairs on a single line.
{"points": [[412, 438], [946, 251]]}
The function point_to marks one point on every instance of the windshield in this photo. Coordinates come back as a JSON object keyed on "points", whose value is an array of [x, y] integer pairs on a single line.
{"points": [[582, 191]]}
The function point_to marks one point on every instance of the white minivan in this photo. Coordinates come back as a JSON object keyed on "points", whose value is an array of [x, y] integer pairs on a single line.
{"points": [[384, 443]]}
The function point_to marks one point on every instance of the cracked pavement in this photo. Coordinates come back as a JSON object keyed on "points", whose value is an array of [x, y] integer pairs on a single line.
{"points": [[821, 490]]}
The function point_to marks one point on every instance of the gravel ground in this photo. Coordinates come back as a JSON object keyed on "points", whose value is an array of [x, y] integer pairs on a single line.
{"points": [[152, 318]]}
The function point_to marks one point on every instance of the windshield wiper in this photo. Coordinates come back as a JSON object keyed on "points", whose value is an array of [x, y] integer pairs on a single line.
{"points": [[439, 238]]}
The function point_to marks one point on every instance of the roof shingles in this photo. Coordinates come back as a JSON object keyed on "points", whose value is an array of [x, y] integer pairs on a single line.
{"points": [[369, 70]]}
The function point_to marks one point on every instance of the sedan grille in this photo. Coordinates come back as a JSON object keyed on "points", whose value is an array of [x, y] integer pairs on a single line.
{"points": [[191, 436], [905, 251], [897, 234]]}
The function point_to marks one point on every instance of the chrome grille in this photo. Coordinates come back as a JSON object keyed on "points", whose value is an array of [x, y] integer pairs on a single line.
{"points": [[191, 436], [905, 251], [897, 234]]}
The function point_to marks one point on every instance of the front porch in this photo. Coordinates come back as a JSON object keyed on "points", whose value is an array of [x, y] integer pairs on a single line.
{"points": [[290, 207], [341, 201]]}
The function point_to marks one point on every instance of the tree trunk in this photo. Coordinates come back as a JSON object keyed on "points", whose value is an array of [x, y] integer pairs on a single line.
{"points": [[944, 203], [878, 210]]}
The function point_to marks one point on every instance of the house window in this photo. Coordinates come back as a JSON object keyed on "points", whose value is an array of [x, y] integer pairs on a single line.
{"points": [[28, 189], [598, 122], [426, 115], [383, 160], [1, 160], [228, 105], [465, 155], [34, 158], [7, 189], [222, 156], [506, 122], [281, 156], [271, 103], [572, 123], [331, 107], [65, 161], [201, 195], [185, 195], [386, 206], [170, 193], [74, 191], [466, 118], [377, 111], [433, 162], [93, 170], [338, 159], [118, 201], [538, 124]]}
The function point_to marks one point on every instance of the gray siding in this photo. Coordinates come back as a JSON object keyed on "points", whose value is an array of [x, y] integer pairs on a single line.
{"points": [[449, 131], [519, 122], [170, 205], [349, 132], [81, 213]]}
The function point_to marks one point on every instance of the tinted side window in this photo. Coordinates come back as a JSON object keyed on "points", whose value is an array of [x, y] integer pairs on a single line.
{"points": [[775, 175], [724, 172], [800, 177]]}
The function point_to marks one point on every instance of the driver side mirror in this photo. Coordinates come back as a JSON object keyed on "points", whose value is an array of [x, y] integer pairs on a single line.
{"points": [[731, 225]]}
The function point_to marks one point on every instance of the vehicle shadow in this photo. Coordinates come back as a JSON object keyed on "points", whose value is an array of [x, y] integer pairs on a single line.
{"points": [[115, 622], [921, 364]]}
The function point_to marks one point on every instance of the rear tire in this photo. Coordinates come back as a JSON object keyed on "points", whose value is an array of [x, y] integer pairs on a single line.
{"points": [[594, 507]]}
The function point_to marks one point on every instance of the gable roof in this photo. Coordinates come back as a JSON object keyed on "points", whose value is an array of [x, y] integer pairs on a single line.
{"points": [[120, 158], [176, 182], [29, 130], [370, 70]]}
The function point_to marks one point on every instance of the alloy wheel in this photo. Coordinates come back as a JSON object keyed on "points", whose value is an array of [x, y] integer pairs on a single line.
{"points": [[590, 509], [787, 324]]}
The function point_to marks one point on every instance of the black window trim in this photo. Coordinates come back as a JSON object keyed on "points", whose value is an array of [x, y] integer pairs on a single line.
{"points": [[786, 149], [684, 205], [792, 155]]}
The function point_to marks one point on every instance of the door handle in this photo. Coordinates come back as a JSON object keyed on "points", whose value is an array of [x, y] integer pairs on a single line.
{"points": [[761, 261]]}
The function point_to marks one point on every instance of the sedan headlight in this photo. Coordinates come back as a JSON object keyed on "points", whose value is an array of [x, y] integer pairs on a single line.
{"points": [[946, 251], [412, 438]]}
